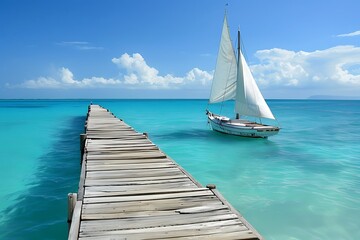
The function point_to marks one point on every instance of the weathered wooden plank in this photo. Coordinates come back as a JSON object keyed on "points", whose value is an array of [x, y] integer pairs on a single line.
{"points": [[200, 236], [121, 188], [126, 155], [150, 176], [112, 146], [146, 197], [82, 179], [75, 222], [126, 215], [117, 137], [160, 170], [200, 209], [115, 150], [138, 167], [155, 221], [115, 134], [133, 181], [117, 142], [127, 161], [144, 191], [172, 204], [131, 163], [174, 231]]}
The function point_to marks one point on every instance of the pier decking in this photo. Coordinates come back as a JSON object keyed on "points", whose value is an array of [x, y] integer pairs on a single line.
{"points": [[129, 189]]}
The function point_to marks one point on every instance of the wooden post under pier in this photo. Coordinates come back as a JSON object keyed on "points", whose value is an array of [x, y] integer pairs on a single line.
{"points": [[129, 189], [82, 145], [72, 197]]}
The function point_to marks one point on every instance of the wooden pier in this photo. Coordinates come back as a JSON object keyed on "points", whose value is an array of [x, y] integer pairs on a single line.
{"points": [[129, 189]]}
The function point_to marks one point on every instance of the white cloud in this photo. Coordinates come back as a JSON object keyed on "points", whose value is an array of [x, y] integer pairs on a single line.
{"points": [[138, 75], [352, 34], [141, 74], [138, 72], [67, 76], [337, 66], [197, 74], [65, 79], [41, 82]]}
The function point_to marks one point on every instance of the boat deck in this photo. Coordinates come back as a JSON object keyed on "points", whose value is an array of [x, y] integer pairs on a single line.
{"points": [[245, 124], [241, 122], [129, 189]]}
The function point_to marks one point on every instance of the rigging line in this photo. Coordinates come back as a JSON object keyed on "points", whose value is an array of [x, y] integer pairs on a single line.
{"points": [[278, 123], [242, 46], [212, 83]]}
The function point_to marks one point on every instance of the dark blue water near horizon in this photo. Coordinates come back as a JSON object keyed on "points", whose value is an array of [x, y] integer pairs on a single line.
{"points": [[301, 184]]}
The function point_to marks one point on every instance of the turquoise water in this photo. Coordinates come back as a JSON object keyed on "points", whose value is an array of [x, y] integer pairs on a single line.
{"points": [[301, 184]]}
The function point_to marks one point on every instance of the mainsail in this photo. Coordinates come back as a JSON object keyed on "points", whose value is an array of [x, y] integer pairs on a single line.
{"points": [[233, 80], [224, 80]]}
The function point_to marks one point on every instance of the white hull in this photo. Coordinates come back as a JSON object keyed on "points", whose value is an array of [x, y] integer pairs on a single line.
{"points": [[241, 127]]}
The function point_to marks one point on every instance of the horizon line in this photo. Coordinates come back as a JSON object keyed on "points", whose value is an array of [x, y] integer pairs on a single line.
{"points": [[90, 99]]}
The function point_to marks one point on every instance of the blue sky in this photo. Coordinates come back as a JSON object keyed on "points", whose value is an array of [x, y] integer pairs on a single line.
{"points": [[167, 49]]}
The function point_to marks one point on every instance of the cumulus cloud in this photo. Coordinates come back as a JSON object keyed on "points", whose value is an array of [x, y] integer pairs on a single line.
{"points": [[352, 34], [337, 66], [141, 74], [65, 79], [138, 75]]}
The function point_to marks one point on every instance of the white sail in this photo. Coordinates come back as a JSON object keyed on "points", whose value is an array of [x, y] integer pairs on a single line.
{"points": [[249, 100], [224, 81]]}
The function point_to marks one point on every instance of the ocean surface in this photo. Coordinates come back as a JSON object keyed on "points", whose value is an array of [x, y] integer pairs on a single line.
{"points": [[303, 183]]}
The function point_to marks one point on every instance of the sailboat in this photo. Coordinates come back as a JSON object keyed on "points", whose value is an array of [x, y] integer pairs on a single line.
{"points": [[233, 80]]}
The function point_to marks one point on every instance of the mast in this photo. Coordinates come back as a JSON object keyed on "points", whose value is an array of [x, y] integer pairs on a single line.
{"points": [[239, 59], [238, 48]]}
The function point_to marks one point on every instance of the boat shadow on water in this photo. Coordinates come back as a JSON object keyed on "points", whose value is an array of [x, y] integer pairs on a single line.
{"points": [[205, 135]]}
